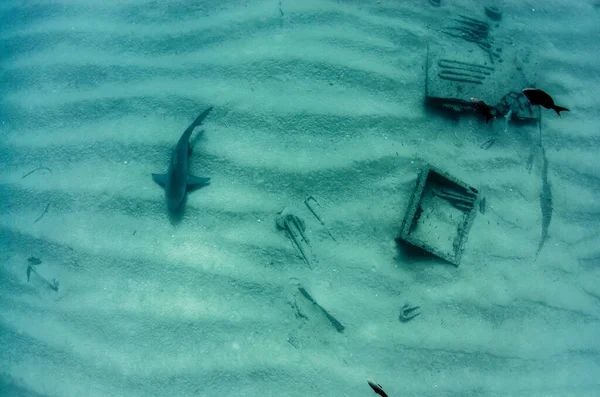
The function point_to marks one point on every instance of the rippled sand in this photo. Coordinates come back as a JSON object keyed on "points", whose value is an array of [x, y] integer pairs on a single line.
{"points": [[320, 98]]}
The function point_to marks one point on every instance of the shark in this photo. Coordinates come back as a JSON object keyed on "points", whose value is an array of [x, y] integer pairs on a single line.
{"points": [[177, 179]]}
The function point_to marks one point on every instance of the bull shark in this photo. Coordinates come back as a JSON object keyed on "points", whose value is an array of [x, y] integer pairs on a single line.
{"points": [[177, 179]]}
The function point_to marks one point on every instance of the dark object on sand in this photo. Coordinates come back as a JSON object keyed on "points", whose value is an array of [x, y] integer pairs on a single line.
{"points": [[488, 143], [33, 261], [440, 215], [307, 202], [177, 180], [451, 83], [463, 71], [294, 228], [336, 324], [435, 3], [483, 108], [471, 30], [408, 312], [546, 205], [377, 388], [37, 169], [545, 202], [482, 205], [539, 97], [494, 13], [43, 213], [53, 285]]}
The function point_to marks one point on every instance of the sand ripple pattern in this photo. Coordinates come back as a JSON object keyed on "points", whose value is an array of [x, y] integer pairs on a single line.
{"points": [[310, 97]]}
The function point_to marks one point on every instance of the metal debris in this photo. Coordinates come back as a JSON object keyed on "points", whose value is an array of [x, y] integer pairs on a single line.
{"points": [[463, 71], [37, 169], [307, 202], [336, 324], [294, 228], [408, 312], [53, 285], [43, 213], [482, 205]]}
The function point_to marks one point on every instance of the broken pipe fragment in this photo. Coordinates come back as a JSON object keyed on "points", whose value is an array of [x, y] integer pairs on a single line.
{"points": [[336, 324]]}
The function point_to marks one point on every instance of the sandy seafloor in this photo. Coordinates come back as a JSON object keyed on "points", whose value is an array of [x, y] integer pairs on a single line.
{"points": [[325, 100]]}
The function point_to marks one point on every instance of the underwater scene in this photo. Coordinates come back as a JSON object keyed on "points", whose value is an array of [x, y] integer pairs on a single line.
{"points": [[339, 198]]}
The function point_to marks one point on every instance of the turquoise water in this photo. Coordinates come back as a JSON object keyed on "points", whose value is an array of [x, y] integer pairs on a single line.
{"points": [[285, 275]]}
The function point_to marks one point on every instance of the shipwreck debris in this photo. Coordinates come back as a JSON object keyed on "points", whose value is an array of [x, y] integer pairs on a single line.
{"points": [[408, 312], [336, 324], [494, 13], [470, 65], [33, 261], [294, 228], [488, 143], [463, 71], [43, 213], [36, 169], [463, 201], [482, 204], [472, 30], [440, 215], [545, 194], [311, 199]]}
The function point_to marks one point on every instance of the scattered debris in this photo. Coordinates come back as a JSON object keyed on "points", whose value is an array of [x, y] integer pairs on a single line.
{"points": [[337, 325], [37, 169], [545, 191], [461, 201], [483, 108], [299, 313], [292, 341], [440, 215], [377, 388], [33, 261], [464, 72], [408, 312], [451, 83], [473, 31], [294, 228], [43, 213], [482, 203], [488, 143], [517, 105], [494, 13], [307, 202], [545, 198]]}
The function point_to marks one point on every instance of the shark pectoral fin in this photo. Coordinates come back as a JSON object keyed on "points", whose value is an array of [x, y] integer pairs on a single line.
{"points": [[193, 181], [161, 179]]}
